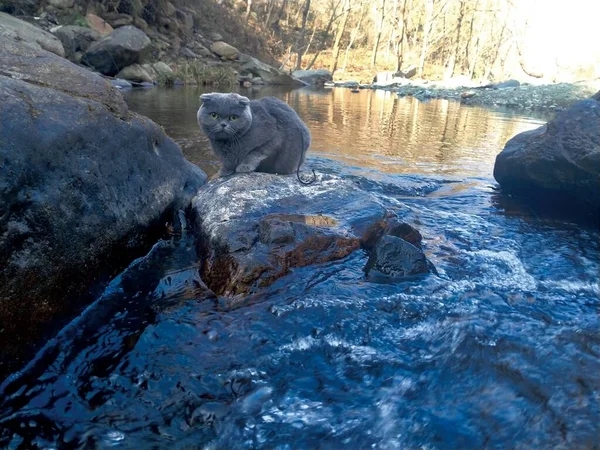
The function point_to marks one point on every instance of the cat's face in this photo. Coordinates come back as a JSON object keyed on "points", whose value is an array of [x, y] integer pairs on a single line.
{"points": [[224, 116]]}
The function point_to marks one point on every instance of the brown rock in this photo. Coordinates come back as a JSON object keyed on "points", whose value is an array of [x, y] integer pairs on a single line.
{"points": [[256, 228], [98, 24]]}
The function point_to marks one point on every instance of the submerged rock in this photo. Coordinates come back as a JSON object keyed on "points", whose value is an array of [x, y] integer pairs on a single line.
{"points": [[255, 228], [82, 179], [125, 46], [558, 161]]}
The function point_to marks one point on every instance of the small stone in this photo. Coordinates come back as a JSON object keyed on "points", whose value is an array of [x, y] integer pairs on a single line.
{"points": [[215, 37]]}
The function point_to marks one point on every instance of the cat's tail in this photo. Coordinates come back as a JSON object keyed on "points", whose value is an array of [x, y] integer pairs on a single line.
{"points": [[314, 177], [305, 182]]}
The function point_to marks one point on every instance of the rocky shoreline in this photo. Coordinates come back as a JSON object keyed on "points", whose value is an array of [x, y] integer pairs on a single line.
{"points": [[510, 94]]}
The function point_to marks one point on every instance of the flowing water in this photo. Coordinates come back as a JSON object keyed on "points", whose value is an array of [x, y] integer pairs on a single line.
{"points": [[501, 350]]}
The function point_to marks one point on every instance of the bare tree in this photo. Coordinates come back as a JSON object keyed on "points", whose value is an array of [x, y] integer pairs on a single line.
{"points": [[248, 8], [427, 22], [338, 37], [403, 23], [378, 35], [354, 33], [332, 18], [300, 49]]}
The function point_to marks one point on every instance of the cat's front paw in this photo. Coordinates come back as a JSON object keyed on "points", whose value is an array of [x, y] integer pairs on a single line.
{"points": [[244, 168], [225, 172]]}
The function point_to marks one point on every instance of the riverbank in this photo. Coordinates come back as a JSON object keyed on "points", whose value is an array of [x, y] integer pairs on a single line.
{"points": [[525, 96]]}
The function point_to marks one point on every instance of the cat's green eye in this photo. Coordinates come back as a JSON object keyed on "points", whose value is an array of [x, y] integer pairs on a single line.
{"points": [[233, 117], [214, 115]]}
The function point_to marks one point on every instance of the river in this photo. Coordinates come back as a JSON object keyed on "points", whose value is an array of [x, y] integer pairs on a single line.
{"points": [[500, 350]]}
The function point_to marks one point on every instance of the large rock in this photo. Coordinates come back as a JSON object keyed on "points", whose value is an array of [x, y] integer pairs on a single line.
{"points": [[18, 30], [560, 160], [255, 228], [318, 76], [162, 69], [76, 39], [224, 49], [33, 65], [125, 46], [135, 72], [270, 75], [83, 183]]}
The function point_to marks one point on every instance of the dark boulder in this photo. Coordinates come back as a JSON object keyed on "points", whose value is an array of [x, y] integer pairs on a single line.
{"points": [[255, 228], [123, 47], [396, 258], [76, 39], [558, 161], [82, 182]]}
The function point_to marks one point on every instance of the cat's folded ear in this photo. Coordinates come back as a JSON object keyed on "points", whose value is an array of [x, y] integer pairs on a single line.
{"points": [[206, 97], [243, 101]]}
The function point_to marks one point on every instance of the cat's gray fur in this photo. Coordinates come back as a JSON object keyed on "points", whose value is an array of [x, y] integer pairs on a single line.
{"points": [[264, 135]]}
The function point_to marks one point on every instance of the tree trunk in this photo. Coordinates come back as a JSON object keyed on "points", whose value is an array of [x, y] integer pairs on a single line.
{"points": [[270, 7], [403, 22], [426, 31], [338, 37], [378, 37], [300, 44], [461, 15], [392, 35], [332, 19], [354, 34], [248, 8]]}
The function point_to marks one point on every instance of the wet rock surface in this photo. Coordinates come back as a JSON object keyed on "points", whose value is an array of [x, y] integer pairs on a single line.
{"points": [[257, 228], [558, 161], [81, 178], [396, 258]]}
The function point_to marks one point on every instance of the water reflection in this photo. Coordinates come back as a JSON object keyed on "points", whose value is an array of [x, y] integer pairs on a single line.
{"points": [[372, 129]]}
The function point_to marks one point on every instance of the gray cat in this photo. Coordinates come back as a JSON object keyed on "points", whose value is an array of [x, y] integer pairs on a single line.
{"points": [[264, 135]]}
